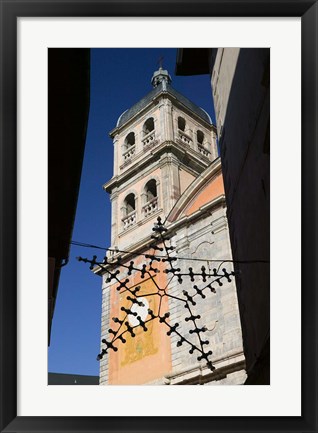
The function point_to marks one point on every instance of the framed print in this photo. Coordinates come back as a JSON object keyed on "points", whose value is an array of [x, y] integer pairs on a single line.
{"points": [[162, 291]]}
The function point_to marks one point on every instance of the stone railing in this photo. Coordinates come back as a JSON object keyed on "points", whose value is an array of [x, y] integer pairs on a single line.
{"points": [[204, 151], [149, 140], [129, 220], [150, 207], [129, 153], [184, 138]]}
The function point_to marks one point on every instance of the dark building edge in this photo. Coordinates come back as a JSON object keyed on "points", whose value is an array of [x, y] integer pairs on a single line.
{"points": [[72, 379], [68, 108]]}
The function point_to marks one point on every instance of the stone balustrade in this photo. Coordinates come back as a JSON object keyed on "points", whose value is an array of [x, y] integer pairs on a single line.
{"points": [[129, 153], [129, 220], [183, 138], [204, 151], [149, 140], [150, 207]]}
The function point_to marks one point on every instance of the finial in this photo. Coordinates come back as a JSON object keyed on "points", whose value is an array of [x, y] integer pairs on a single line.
{"points": [[160, 61]]}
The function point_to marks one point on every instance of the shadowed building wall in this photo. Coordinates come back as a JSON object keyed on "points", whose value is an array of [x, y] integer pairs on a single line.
{"points": [[240, 80]]}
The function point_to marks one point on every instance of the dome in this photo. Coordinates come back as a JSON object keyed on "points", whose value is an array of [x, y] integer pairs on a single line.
{"points": [[161, 81], [120, 117]]}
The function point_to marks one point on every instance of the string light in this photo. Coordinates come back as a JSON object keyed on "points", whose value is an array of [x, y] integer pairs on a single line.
{"points": [[131, 320], [134, 253]]}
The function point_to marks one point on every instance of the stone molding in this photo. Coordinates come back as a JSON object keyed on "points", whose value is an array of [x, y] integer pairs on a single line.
{"points": [[201, 374], [197, 164]]}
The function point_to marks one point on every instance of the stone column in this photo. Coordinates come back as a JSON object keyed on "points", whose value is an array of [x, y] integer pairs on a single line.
{"points": [[116, 156]]}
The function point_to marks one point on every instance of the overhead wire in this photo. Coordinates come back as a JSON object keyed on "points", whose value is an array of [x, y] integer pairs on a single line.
{"points": [[116, 250]]}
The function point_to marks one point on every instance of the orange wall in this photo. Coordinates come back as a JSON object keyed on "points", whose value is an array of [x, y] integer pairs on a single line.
{"points": [[211, 191], [147, 356]]}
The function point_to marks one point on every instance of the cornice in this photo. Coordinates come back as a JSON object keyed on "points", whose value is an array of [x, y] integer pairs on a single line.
{"points": [[201, 374], [197, 164]]}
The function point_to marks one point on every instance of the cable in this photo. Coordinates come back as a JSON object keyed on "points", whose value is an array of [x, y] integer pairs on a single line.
{"points": [[116, 250]]}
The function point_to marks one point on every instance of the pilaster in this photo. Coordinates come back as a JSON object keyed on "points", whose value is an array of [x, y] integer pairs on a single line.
{"points": [[170, 181], [116, 159]]}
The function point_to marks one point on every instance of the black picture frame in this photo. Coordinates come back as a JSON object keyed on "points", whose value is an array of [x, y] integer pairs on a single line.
{"points": [[10, 11]]}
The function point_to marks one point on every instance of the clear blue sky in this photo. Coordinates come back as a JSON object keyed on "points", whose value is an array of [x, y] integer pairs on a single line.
{"points": [[119, 78]]}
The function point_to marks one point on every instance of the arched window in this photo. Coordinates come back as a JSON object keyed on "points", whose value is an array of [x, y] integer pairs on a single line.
{"points": [[129, 140], [130, 204], [150, 198], [200, 137], [151, 190], [149, 126], [129, 211], [181, 123]]}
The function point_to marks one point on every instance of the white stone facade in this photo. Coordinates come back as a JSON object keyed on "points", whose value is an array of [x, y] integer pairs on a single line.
{"points": [[207, 237]]}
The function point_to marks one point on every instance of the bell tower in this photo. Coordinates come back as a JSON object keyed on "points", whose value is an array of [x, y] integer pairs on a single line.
{"points": [[161, 144]]}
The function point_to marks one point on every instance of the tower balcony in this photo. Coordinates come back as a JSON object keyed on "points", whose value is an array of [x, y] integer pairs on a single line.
{"points": [[129, 220], [129, 153], [184, 138], [204, 151], [150, 207], [149, 140]]}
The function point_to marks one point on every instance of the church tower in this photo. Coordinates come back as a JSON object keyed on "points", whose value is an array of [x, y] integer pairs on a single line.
{"points": [[165, 154], [161, 145]]}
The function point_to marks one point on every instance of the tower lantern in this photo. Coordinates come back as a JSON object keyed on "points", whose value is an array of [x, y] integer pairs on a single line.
{"points": [[160, 76]]}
